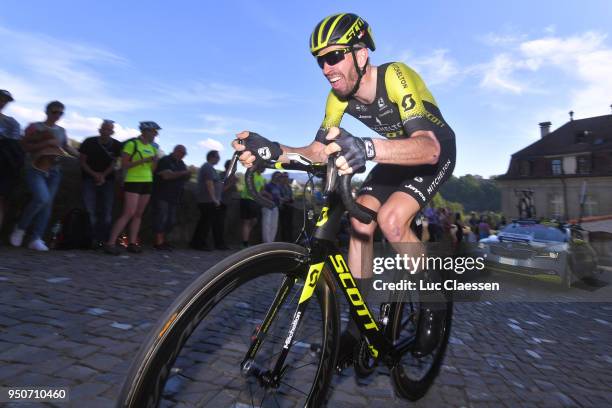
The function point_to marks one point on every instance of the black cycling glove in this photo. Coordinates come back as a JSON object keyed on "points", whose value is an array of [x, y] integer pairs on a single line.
{"points": [[356, 150], [262, 148]]}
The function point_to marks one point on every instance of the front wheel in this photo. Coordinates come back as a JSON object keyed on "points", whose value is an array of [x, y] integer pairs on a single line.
{"points": [[412, 376], [194, 356]]}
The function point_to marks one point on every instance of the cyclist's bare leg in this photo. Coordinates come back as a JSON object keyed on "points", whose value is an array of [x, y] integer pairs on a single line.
{"points": [[360, 245], [359, 257], [395, 217]]}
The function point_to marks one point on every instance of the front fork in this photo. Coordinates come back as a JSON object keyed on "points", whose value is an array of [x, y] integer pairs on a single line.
{"points": [[248, 366]]}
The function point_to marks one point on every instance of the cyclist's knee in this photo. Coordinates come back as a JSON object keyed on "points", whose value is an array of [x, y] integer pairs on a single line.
{"points": [[393, 224]]}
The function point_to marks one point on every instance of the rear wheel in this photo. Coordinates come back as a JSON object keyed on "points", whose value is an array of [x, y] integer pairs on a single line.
{"points": [[194, 355], [412, 376]]}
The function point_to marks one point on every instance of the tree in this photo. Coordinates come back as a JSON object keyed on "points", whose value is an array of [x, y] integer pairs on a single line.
{"points": [[473, 192]]}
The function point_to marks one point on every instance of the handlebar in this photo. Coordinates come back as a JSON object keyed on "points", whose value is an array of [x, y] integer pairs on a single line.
{"points": [[356, 210]]}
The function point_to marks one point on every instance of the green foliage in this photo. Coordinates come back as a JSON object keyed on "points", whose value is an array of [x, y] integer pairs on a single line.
{"points": [[440, 202], [473, 192]]}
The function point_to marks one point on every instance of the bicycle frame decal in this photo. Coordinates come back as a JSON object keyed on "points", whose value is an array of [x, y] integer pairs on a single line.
{"points": [[311, 281], [353, 294], [323, 217], [294, 324]]}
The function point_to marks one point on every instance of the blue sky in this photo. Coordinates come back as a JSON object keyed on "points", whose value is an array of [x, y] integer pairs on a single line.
{"points": [[206, 70]]}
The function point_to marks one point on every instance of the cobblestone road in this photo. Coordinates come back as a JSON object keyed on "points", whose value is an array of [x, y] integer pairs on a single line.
{"points": [[75, 319]]}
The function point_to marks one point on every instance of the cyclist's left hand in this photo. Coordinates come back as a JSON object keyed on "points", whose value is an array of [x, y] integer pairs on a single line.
{"points": [[354, 151]]}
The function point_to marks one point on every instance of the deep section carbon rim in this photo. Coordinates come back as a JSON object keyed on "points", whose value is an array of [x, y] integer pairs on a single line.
{"points": [[197, 361]]}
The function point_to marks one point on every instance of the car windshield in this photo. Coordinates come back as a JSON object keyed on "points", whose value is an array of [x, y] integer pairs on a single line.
{"points": [[538, 232]]}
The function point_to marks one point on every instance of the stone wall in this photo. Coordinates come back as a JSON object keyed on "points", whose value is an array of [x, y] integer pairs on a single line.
{"points": [[69, 197]]}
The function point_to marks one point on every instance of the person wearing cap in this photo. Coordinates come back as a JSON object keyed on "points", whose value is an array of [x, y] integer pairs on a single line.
{"points": [[98, 157], [45, 142], [139, 159], [9, 145]]}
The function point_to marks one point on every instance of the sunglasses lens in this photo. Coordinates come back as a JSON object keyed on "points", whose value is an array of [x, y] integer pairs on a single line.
{"points": [[331, 58]]}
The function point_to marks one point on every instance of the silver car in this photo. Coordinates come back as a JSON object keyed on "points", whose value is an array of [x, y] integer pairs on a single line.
{"points": [[560, 254]]}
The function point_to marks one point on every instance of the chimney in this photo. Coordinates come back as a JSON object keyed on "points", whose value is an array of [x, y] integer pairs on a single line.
{"points": [[544, 128], [571, 113]]}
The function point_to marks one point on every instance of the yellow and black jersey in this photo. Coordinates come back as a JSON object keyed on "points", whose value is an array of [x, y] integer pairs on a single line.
{"points": [[403, 105]]}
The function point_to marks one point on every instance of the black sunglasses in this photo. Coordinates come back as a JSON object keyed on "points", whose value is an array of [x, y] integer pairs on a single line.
{"points": [[57, 112], [333, 57]]}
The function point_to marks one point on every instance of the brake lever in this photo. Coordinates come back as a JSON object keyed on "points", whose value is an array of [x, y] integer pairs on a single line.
{"points": [[234, 163], [332, 174]]}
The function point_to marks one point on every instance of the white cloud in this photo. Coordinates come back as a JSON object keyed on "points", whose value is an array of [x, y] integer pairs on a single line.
{"points": [[45, 68], [584, 59], [211, 144], [435, 68], [497, 75]]}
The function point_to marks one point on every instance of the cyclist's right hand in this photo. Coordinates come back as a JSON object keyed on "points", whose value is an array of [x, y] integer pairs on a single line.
{"points": [[255, 148]]}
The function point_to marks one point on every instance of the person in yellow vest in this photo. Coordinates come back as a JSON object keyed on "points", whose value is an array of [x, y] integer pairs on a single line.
{"points": [[249, 209], [138, 159]]}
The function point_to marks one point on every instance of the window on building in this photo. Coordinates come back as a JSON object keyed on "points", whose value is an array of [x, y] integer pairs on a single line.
{"points": [[583, 165], [581, 136], [556, 167]]}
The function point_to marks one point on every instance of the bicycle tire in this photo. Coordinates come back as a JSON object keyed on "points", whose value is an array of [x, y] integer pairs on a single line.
{"points": [[151, 368], [405, 386]]}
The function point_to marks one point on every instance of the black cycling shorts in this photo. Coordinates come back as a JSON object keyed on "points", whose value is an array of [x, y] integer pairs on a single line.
{"points": [[141, 188], [249, 209], [420, 182]]}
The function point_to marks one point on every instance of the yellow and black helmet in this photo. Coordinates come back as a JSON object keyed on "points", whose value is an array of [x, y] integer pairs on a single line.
{"points": [[341, 29]]}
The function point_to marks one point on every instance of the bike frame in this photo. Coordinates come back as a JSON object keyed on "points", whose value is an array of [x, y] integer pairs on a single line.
{"points": [[325, 254]]}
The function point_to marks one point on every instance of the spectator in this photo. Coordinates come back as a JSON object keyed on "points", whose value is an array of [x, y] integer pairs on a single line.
{"points": [[169, 181], [502, 222], [269, 216], [138, 159], [230, 192], [473, 221], [433, 223], [285, 211], [44, 142], [458, 236], [484, 230], [210, 187], [249, 209], [11, 155], [98, 157]]}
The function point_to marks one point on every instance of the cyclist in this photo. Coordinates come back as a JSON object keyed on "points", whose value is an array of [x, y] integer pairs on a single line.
{"points": [[416, 156]]}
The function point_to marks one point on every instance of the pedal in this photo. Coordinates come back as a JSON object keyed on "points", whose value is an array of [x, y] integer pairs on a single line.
{"points": [[385, 311]]}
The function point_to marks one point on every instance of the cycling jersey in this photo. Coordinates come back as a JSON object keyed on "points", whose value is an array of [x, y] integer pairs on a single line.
{"points": [[138, 151], [402, 106]]}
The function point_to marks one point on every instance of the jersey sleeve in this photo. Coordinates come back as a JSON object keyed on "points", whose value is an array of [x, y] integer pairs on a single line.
{"points": [[128, 147], [334, 110], [417, 106]]}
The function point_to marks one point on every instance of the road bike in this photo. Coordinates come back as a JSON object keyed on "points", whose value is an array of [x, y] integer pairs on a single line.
{"points": [[262, 327]]}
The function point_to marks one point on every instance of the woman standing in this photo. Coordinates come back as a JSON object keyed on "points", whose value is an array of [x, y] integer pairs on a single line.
{"points": [[138, 159], [45, 142]]}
